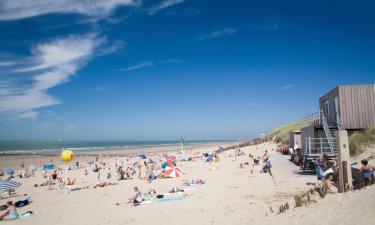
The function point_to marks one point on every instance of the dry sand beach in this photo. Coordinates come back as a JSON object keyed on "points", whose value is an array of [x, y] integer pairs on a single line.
{"points": [[230, 195]]}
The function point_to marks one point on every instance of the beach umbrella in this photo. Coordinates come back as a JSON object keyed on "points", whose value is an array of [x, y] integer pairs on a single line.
{"points": [[172, 171], [168, 163], [6, 185], [10, 171]]}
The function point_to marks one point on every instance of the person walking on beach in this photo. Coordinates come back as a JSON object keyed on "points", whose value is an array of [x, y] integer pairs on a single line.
{"points": [[139, 170], [22, 164], [109, 174]]}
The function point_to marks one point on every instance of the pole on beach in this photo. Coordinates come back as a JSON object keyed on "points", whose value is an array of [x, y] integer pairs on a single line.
{"points": [[182, 143], [66, 178], [67, 156], [345, 172]]}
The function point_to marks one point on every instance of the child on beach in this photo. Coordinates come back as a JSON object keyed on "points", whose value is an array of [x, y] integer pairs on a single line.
{"points": [[331, 188], [367, 172], [137, 198]]}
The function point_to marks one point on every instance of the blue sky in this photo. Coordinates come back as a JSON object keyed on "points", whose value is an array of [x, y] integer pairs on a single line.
{"points": [[152, 70]]}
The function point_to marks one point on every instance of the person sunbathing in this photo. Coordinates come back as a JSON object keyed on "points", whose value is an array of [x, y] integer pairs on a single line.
{"points": [[331, 188], [102, 184], [10, 213], [17, 204], [71, 182]]}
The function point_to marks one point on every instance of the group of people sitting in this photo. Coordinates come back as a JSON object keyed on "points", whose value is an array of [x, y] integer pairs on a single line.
{"points": [[9, 210], [327, 173]]}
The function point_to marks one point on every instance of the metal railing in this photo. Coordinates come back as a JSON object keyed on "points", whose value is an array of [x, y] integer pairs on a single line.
{"points": [[338, 122], [310, 120], [327, 131], [319, 146]]}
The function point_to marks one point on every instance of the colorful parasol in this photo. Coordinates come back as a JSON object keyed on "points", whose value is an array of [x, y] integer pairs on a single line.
{"points": [[172, 172]]}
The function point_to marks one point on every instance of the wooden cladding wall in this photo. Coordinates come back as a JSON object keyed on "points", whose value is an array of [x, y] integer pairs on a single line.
{"points": [[357, 106]]}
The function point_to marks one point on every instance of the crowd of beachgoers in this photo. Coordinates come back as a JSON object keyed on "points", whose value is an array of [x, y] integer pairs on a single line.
{"points": [[102, 172]]}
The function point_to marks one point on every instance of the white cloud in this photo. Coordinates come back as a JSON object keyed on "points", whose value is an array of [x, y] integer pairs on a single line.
{"points": [[20, 9], [140, 65], [163, 5], [218, 33], [287, 87], [101, 89], [52, 64]]}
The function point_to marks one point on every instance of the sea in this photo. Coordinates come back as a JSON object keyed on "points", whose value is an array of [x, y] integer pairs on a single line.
{"points": [[48, 146]]}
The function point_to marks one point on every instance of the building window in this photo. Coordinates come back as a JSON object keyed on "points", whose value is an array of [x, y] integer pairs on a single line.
{"points": [[326, 107]]}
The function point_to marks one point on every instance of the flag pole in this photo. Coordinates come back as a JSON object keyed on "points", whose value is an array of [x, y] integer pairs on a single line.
{"points": [[182, 143]]}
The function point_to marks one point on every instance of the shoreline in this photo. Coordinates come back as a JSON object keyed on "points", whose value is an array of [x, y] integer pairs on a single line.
{"points": [[111, 149], [12, 160]]}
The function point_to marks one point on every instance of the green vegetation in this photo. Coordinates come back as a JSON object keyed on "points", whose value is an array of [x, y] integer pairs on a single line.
{"points": [[281, 134], [360, 139]]}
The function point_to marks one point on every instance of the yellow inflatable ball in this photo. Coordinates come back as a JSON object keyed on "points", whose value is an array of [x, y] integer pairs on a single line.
{"points": [[67, 155]]}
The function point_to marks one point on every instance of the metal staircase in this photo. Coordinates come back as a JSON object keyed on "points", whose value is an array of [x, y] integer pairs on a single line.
{"points": [[329, 132]]}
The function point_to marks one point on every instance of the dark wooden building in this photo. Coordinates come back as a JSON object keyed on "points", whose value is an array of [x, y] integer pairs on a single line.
{"points": [[351, 105]]}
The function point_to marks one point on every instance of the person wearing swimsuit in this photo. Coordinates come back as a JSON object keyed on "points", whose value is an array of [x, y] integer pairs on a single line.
{"points": [[10, 213], [367, 172]]}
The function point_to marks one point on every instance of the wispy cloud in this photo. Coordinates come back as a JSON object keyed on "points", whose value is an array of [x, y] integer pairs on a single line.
{"points": [[7, 63], [101, 89], [52, 64], [163, 5], [140, 65], [218, 33], [287, 87], [271, 27], [20, 9], [170, 61], [145, 64], [185, 12]]}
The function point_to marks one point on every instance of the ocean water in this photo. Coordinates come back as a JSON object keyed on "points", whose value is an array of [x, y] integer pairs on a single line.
{"points": [[19, 147]]}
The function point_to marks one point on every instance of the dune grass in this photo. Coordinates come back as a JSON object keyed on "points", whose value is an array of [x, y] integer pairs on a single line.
{"points": [[281, 134], [360, 139]]}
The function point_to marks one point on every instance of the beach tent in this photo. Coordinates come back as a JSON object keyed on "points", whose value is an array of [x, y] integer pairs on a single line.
{"points": [[48, 166], [6, 185], [10, 171], [210, 158], [172, 172], [142, 156]]}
